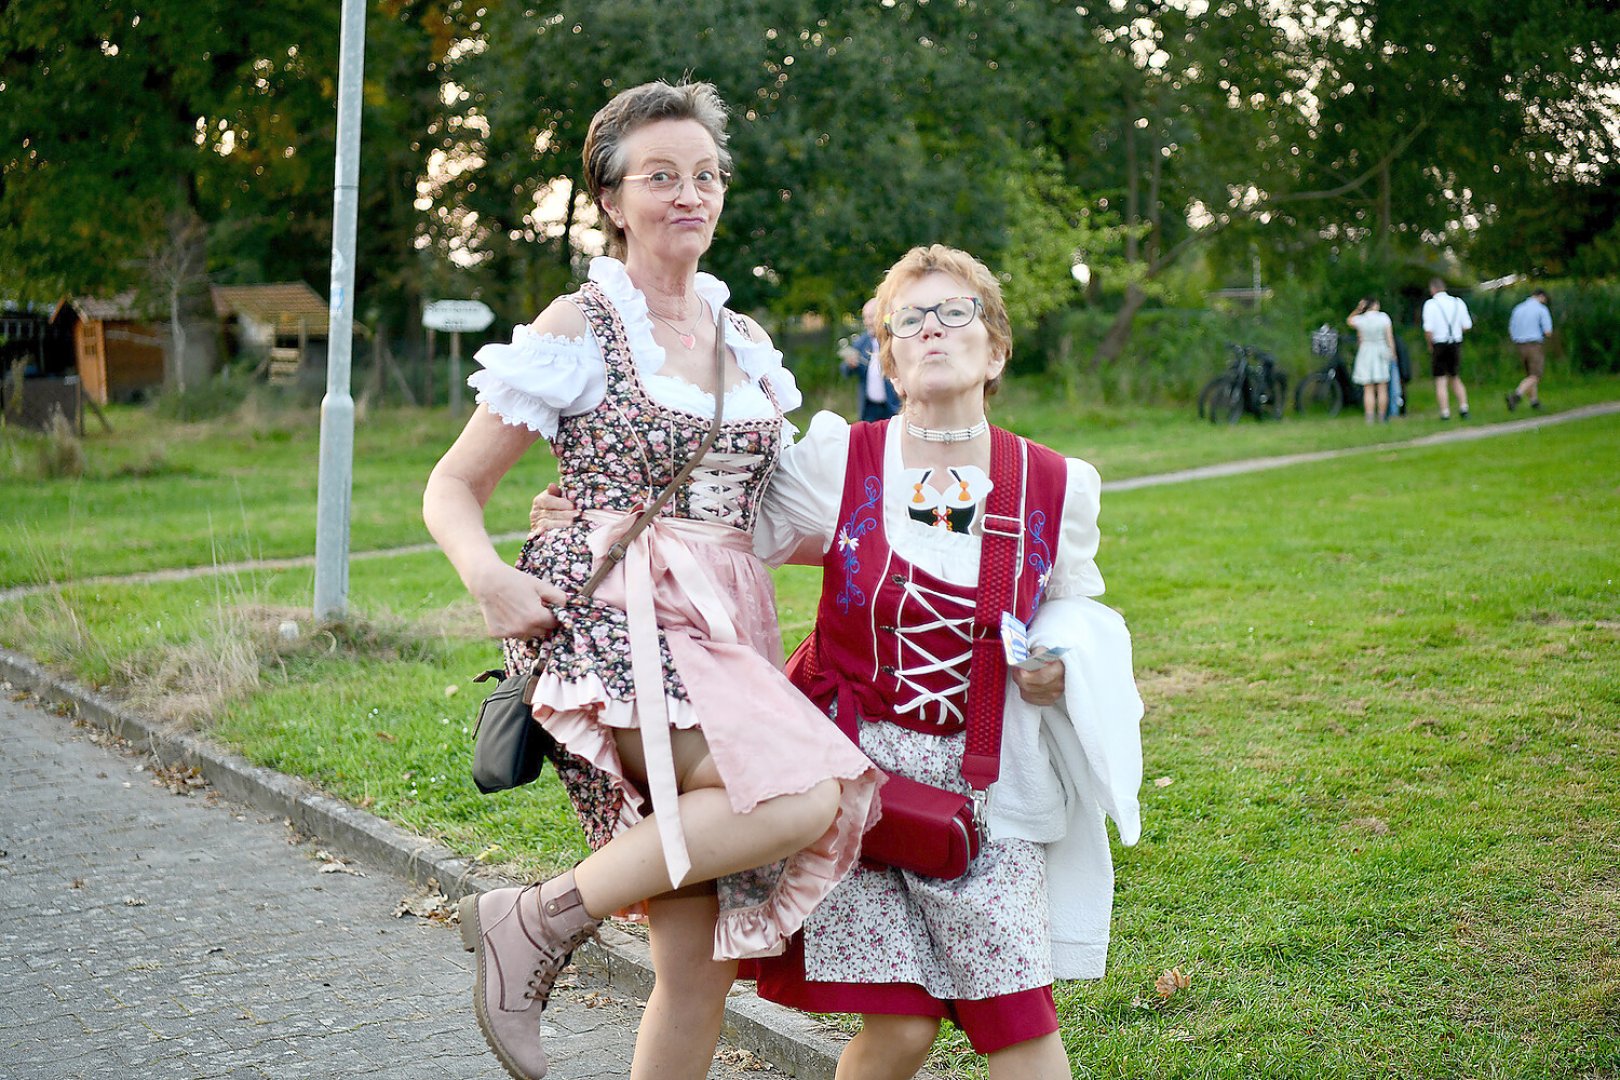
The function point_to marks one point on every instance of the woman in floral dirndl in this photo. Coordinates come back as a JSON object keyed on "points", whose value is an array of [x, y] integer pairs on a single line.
{"points": [[899, 509], [717, 799]]}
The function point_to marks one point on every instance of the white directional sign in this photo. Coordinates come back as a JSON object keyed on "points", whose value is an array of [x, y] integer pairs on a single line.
{"points": [[457, 316]]}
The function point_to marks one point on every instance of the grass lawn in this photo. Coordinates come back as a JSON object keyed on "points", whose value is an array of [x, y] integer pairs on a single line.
{"points": [[155, 494], [1381, 829]]}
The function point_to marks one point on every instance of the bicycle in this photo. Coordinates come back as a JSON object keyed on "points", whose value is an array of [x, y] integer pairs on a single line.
{"points": [[1252, 383], [1323, 392]]}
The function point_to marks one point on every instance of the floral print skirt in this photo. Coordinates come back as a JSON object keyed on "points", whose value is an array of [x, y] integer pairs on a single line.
{"points": [[980, 936]]}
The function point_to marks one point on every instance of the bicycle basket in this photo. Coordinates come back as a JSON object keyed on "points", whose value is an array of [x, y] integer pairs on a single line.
{"points": [[1324, 341]]}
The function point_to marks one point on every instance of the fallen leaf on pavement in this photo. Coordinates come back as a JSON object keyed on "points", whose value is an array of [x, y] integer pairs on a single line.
{"points": [[331, 864], [179, 778], [427, 902]]}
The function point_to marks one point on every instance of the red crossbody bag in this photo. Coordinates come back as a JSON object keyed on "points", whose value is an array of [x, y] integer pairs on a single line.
{"points": [[925, 829]]}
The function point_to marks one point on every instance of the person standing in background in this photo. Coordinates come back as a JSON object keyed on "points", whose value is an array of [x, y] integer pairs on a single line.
{"points": [[878, 398], [1375, 358], [1529, 326], [1445, 318]]}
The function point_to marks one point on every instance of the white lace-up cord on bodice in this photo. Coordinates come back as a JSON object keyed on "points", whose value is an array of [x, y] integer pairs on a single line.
{"points": [[717, 486], [949, 613]]}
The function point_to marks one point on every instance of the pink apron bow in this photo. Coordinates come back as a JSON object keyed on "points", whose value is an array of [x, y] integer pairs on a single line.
{"points": [[660, 576]]}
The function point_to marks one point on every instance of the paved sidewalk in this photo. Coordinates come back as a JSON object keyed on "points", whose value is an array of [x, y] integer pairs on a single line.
{"points": [[152, 935]]}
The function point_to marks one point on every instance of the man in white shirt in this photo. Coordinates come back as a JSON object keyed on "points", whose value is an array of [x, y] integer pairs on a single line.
{"points": [[1445, 318], [1529, 326]]}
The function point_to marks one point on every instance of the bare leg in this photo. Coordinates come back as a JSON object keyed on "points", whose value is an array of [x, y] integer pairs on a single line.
{"points": [[681, 1026], [1381, 411], [1461, 391], [1367, 399], [1528, 389], [1036, 1059], [1442, 396], [630, 868], [888, 1048]]}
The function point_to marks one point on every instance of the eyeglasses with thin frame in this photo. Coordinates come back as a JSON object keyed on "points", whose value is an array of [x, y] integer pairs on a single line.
{"points": [[666, 183], [953, 311]]}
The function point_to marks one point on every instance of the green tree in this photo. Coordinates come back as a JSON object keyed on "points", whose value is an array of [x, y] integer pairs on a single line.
{"points": [[859, 131], [161, 145], [1472, 115], [129, 128]]}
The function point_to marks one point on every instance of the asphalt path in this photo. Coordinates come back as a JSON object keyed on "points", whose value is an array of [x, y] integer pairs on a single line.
{"points": [[156, 930]]}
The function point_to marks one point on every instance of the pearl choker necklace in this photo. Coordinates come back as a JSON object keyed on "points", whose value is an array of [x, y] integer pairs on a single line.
{"points": [[947, 435]]}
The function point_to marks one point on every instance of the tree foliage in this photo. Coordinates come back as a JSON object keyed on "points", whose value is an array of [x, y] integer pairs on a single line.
{"points": [[1129, 132], [164, 144]]}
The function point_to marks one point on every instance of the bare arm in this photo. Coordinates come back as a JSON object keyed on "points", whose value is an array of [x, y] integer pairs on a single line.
{"points": [[514, 604]]}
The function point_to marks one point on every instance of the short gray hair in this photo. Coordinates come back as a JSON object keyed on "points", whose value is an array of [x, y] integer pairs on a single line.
{"points": [[634, 108]]}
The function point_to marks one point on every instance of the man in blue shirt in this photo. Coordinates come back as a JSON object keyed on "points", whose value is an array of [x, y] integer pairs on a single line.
{"points": [[1529, 326], [878, 398]]}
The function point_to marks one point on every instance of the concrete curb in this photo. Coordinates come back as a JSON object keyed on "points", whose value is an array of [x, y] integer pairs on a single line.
{"points": [[790, 1041]]}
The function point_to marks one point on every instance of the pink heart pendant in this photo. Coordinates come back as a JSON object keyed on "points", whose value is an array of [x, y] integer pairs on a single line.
{"points": [[689, 340]]}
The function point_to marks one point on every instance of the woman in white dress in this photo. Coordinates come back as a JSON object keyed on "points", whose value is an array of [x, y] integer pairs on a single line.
{"points": [[1373, 358]]}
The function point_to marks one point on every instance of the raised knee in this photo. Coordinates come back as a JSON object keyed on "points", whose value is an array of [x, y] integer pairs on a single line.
{"points": [[814, 812], [822, 806]]}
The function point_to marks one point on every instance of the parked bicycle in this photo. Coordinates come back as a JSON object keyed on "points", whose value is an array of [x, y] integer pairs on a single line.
{"points": [[1324, 391], [1252, 383]]}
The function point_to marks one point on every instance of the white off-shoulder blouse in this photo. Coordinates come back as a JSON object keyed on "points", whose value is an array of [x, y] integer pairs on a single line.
{"points": [[537, 378]]}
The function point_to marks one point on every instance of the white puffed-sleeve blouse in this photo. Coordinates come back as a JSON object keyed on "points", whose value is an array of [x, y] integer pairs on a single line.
{"points": [[537, 378]]}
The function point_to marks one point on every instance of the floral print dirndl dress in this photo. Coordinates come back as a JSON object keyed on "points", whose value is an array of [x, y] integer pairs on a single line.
{"points": [[683, 634]]}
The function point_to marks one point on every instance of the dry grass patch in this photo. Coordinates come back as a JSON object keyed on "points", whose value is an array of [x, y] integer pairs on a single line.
{"points": [[1164, 685]]}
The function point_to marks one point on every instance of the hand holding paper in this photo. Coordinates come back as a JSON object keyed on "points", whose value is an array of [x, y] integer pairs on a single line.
{"points": [[1015, 643]]}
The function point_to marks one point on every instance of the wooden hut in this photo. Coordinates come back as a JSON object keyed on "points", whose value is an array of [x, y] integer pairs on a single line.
{"points": [[283, 323], [117, 348]]}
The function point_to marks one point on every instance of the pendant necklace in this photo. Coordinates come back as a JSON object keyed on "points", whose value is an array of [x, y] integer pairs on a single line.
{"points": [[689, 336], [947, 435]]}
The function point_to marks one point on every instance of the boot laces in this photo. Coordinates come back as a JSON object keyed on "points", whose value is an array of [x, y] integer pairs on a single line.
{"points": [[544, 977]]}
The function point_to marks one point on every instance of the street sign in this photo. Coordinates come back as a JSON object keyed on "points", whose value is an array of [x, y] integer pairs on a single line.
{"points": [[457, 316]]}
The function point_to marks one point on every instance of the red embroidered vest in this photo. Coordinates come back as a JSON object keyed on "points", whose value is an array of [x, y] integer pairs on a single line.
{"points": [[893, 642]]}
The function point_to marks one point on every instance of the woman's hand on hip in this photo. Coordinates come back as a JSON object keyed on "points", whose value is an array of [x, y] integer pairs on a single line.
{"points": [[515, 604], [551, 511], [1042, 686]]}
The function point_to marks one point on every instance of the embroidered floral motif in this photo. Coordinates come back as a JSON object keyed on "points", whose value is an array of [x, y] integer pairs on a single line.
{"points": [[1040, 555], [862, 520]]}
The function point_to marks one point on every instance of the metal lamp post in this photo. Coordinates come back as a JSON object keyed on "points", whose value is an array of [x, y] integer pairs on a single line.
{"points": [[337, 407]]}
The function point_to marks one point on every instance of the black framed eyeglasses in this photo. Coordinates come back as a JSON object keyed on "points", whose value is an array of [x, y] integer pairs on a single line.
{"points": [[665, 183], [953, 311]]}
